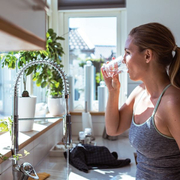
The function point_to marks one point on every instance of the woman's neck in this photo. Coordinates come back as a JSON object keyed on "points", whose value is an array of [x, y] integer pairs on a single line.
{"points": [[155, 85]]}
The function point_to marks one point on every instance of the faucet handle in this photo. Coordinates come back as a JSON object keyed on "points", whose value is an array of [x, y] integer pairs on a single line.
{"points": [[28, 170]]}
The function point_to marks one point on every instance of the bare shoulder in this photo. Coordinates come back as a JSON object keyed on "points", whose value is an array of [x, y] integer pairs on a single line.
{"points": [[170, 103], [171, 111], [172, 98]]}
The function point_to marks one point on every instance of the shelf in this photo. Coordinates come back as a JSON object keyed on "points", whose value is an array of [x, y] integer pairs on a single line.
{"points": [[14, 38]]}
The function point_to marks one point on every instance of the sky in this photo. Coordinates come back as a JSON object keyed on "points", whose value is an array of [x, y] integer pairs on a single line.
{"points": [[101, 30]]}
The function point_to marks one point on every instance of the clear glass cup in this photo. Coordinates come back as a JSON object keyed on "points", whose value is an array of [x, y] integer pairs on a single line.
{"points": [[114, 67]]}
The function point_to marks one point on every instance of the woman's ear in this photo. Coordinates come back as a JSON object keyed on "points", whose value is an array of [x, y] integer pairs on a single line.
{"points": [[148, 55]]}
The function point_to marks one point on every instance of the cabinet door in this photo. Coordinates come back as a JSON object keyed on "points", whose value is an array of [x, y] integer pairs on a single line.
{"points": [[24, 22]]}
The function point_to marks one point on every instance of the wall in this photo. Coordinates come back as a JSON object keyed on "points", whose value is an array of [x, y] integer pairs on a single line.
{"points": [[144, 11], [97, 121]]}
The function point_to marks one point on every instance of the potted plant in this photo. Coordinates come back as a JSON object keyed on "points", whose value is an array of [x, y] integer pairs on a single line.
{"points": [[49, 77], [44, 75], [13, 60]]}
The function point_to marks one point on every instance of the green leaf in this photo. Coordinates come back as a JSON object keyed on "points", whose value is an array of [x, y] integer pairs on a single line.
{"points": [[38, 82], [44, 84], [35, 76], [29, 70], [26, 153], [60, 38], [50, 31], [5, 124], [3, 127], [20, 155], [3, 157]]}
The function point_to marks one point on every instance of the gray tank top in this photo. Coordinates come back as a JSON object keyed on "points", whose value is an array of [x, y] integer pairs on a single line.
{"points": [[158, 155]]}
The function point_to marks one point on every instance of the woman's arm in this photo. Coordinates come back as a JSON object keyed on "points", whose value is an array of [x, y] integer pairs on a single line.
{"points": [[118, 120]]}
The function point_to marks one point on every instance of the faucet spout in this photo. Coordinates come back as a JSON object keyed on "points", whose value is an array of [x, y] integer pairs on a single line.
{"points": [[68, 139], [15, 137]]}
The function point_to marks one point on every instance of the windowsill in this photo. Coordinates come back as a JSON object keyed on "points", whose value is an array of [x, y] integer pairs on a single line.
{"points": [[25, 137]]}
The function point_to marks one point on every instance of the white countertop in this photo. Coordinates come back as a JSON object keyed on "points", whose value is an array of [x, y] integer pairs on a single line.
{"points": [[57, 167], [25, 137]]}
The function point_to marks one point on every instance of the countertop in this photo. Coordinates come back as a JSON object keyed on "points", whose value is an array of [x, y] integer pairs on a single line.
{"points": [[26, 137], [58, 168]]}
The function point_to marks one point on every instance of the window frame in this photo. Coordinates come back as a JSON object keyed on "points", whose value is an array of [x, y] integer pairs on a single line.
{"points": [[119, 13], [93, 4]]}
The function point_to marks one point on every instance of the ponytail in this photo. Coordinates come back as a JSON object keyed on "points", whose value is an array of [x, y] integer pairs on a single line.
{"points": [[174, 69]]}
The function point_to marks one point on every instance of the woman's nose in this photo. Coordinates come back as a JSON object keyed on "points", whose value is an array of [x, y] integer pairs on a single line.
{"points": [[124, 59]]}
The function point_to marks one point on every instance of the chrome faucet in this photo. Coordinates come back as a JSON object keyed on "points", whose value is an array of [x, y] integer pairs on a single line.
{"points": [[24, 171], [18, 172]]}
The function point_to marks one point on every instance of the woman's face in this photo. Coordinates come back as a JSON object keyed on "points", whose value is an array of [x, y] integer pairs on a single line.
{"points": [[135, 60]]}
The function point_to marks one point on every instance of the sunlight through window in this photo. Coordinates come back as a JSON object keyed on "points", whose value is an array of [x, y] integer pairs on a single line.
{"points": [[73, 176]]}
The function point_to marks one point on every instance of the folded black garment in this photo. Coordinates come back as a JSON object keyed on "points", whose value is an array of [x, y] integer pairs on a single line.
{"points": [[87, 157]]}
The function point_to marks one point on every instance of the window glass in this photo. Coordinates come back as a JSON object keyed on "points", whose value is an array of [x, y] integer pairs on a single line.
{"points": [[6, 90], [90, 39]]}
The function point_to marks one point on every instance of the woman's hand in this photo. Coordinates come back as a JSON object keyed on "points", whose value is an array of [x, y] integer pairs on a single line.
{"points": [[112, 83]]}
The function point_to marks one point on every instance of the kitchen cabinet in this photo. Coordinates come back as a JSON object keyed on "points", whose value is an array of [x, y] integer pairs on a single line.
{"points": [[22, 25]]}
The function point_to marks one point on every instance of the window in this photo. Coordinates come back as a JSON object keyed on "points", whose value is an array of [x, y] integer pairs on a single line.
{"points": [[6, 90], [90, 39], [66, 20], [94, 35]]}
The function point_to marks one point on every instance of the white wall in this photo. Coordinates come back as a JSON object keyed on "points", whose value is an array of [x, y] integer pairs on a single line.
{"points": [[144, 11], [97, 121]]}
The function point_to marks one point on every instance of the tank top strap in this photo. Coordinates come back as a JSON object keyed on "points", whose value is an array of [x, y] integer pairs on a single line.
{"points": [[159, 99]]}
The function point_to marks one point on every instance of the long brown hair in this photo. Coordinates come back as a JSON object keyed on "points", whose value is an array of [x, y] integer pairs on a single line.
{"points": [[160, 40]]}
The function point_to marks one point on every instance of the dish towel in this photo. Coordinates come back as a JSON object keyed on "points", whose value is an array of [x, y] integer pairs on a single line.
{"points": [[87, 157], [42, 176]]}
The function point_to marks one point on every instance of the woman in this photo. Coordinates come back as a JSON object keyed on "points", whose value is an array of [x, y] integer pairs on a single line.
{"points": [[152, 111]]}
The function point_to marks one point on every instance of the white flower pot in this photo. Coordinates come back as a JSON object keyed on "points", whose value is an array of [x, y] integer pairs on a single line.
{"points": [[56, 106], [26, 109]]}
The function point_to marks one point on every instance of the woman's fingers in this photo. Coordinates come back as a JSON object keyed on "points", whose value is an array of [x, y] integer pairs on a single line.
{"points": [[104, 72]]}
